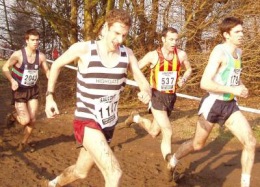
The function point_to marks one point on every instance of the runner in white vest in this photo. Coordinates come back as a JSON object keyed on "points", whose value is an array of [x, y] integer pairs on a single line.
{"points": [[221, 79]]}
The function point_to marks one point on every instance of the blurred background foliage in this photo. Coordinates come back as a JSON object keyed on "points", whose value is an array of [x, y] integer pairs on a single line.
{"points": [[64, 22]]}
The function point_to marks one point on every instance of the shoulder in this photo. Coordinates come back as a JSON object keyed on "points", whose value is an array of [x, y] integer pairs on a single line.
{"points": [[128, 50], [152, 55], [182, 55], [181, 52], [17, 55], [42, 55], [217, 55], [218, 50], [80, 47]]}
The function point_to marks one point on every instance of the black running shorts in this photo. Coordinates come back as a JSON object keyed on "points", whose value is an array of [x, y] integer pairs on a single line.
{"points": [[23, 95], [163, 101]]}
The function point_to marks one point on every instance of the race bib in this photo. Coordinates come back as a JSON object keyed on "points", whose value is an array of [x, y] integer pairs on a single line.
{"points": [[167, 80], [106, 110], [29, 77], [234, 78]]}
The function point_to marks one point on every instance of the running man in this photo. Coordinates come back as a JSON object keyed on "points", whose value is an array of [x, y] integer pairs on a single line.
{"points": [[23, 77], [102, 72], [221, 79], [165, 64]]}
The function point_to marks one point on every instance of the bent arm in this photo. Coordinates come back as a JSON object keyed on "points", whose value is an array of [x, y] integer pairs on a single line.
{"points": [[138, 75], [44, 65], [186, 63], [72, 54], [147, 59], [10, 63]]}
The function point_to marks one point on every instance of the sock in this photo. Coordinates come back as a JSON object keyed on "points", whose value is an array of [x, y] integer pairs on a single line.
{"points": [[136, 118], [54, 182], [245, 180], [173, 161]]}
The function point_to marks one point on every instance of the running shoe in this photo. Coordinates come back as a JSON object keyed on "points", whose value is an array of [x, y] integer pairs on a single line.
{"points": [[130, 120], [48, 183], [25, 148], [169, 169]]}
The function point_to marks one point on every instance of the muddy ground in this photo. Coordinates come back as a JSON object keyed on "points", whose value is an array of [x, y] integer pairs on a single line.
{"points": [[218, 164]]}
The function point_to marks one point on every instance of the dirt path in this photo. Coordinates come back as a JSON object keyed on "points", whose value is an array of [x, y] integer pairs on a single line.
{"points": [[218, 164]]}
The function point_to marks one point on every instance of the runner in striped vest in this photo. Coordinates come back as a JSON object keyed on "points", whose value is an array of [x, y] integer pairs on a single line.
{"points": [[102, 71], [165, 64]]}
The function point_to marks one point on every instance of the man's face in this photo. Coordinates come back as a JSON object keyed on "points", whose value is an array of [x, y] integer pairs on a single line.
{"points": [[33, 42], [235, 36], [116, 34], [170, 41]]}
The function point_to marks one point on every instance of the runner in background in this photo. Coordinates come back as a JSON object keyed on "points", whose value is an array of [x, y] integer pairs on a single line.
{"points": [[221, 79], [165, 64], [25, 64]]}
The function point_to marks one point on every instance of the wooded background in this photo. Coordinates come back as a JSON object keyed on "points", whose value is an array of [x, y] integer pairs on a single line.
{"points": [[64, 22]]}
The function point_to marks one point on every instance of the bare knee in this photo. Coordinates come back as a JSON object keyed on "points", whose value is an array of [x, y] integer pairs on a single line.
{"points": [[198, 145], [80, 174], [114, 174], [250, 143], [23, 120], [152, 128], [117, 173], [167, 131], [155, 133]]}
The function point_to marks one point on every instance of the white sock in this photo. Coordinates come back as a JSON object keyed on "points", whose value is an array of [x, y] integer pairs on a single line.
{"points": [[245, 180], [136, 118], [53, 182], [173, 161]]}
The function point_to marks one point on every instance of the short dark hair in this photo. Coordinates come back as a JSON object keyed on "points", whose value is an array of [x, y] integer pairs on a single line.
{"points": [[228, 23], [118, 15], [29, 32], [168, 29]]}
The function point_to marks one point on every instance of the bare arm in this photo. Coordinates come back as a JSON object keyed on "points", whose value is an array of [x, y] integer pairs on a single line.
{"points": [[9, 63], [14, 59], [145, 94], [149, 59], [72, 54], [188, 70], [44, 65]]}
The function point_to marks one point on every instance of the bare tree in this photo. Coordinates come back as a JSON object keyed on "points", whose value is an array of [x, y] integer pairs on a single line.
{"points": [[69, 21]]}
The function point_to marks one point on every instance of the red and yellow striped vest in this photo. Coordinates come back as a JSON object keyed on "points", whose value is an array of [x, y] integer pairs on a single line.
{"points": [[165, 66]]}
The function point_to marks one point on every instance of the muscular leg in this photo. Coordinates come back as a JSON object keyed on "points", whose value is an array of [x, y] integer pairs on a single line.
{"points": [[202, 132], [152, 128], [32, 110], [22, 116], [239, 126], [161, 118], [103, 156], [79, 170], [98, 152]]}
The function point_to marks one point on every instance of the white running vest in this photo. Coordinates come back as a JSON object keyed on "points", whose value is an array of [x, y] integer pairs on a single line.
{"points": [[98, 89]]}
